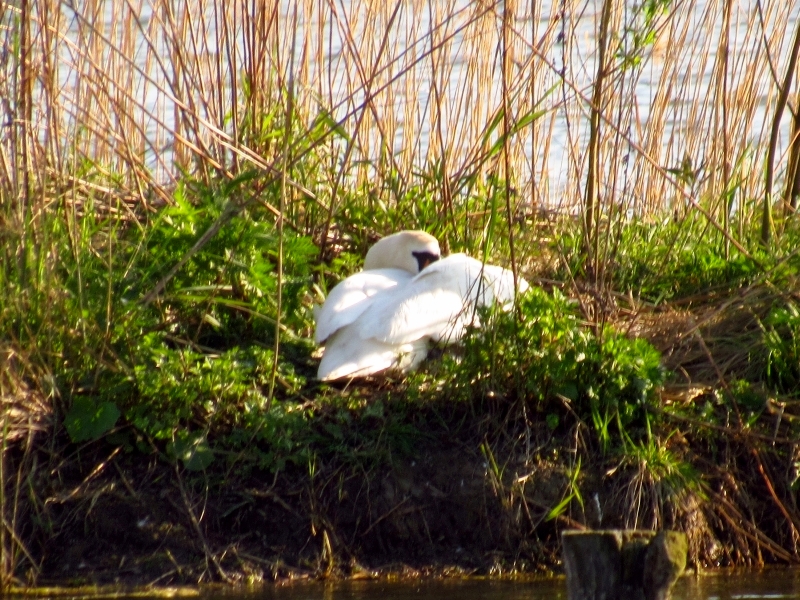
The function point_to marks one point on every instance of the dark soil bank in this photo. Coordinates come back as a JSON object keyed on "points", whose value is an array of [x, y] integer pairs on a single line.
{"points": [[468, 496]]}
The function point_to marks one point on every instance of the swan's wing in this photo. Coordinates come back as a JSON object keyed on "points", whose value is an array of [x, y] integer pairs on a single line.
{"points": [[351, 297], [348, 355], [438, 303], [501, 282]]}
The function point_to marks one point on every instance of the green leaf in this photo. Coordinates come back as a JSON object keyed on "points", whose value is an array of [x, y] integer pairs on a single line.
{"points": [[569, 390], [192, 450], [552, 421], [87, 420], [325, 122]]}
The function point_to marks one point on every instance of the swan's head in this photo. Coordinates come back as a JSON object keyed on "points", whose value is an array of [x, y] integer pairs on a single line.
{"points": [[409, 250]]}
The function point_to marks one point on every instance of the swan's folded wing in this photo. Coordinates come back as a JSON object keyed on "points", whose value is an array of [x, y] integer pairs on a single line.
{"points": [[351, 297], [348, 355], [437, 304], [501, 282]]}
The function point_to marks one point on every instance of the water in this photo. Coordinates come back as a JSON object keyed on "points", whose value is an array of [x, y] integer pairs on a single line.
{"points": [[683, 66], [740, 585], [767, 584], [552, 589]]}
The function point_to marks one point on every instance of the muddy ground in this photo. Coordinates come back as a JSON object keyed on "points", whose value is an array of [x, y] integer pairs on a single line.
{"points": [[98, 514]]}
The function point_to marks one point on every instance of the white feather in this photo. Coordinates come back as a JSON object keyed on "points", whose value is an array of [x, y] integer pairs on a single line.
{"points": [[434, 304], [439, 303], [349, 355], [349, 298]]}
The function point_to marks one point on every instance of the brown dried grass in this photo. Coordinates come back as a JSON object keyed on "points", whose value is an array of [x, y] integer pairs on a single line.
{"points": [[144, 89]]}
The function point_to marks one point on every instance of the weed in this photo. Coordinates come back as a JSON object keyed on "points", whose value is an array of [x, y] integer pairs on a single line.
{"points": [[696, 261], [782, 344], [543, 355], [662, 482]]}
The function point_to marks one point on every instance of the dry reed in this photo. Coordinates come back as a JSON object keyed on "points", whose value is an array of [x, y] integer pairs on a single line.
{"points": [[146, 88]]}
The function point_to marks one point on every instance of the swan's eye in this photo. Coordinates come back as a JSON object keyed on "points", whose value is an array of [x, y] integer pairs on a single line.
{"points": [[425, 258]]}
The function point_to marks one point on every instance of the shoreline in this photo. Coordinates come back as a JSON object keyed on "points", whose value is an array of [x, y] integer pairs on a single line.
{"points": [[439, 509]]}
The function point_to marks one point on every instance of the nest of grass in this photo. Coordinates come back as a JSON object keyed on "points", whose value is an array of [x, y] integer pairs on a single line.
{"points": [[708, 340]]}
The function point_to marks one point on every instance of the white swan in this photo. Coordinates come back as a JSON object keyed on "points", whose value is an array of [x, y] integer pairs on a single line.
{"points": [[385, 318], [391, 261]]}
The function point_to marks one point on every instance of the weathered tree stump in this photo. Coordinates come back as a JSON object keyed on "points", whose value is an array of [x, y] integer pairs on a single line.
{"points": [[622, 564]]}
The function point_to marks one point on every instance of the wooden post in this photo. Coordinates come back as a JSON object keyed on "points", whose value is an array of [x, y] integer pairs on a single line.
{"points": [[622, 564]]}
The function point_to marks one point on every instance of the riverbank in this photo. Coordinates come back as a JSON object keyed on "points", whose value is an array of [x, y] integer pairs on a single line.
{"points": [[667, 416], [163, 422], [442, 507]]}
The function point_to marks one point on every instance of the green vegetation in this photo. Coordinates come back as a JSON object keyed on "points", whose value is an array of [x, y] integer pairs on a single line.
{"points": [[156, 320], [192, 379]]}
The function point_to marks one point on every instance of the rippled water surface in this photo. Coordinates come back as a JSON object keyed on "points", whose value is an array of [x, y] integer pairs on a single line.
{"points": [[737, 585]]}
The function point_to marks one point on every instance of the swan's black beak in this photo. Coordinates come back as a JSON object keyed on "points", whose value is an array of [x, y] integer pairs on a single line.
{"points": [[425, 258]]}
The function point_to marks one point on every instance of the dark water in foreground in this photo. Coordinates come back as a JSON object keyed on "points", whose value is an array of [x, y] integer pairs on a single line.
{"points": [[737, 585]]}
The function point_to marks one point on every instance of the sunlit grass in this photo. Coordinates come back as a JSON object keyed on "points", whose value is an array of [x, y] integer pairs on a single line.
{"points": [[178, 181]]}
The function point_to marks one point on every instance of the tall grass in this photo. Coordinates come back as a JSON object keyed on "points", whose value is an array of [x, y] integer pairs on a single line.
{"points": [[146, 90], [338, 121]]}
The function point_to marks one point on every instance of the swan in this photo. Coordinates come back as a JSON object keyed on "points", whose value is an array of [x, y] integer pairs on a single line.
{"points": [[386, 316], [391, 261]]}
